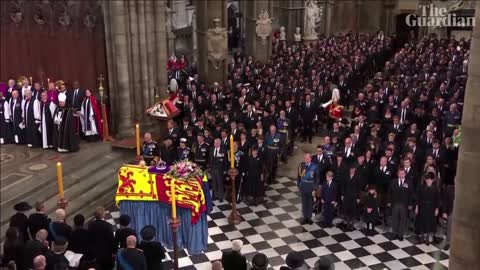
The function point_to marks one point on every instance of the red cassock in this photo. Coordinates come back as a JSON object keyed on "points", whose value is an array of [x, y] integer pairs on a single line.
{"points": [[97, 114], [335, 111]]}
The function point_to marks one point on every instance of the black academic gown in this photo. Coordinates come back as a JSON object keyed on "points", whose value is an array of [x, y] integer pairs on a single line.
{"points": [[46, 126], [31, 121], [5, 125], [64, 134], [16, 119]]}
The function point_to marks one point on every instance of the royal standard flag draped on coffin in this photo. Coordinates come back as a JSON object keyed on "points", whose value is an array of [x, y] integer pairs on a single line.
{"points": [[135, 184]]}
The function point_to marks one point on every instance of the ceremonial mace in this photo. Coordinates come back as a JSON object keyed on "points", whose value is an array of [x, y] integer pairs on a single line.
{"points": [[106, 136], [234, 218]]}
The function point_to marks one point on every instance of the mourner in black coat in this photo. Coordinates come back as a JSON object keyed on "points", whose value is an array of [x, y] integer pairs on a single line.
{"points": [[101, 233], [428, 202], [20, 220], [153, 251], [372, 208]]}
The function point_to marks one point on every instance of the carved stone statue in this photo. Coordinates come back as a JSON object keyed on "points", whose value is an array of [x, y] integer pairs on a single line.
{"points": [[282, 33], [297, 36], [310, 20], [217, 44], [264, 26]]}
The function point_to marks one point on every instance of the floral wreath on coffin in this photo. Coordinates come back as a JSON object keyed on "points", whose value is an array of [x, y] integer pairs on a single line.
{"points": [[185, 170]]}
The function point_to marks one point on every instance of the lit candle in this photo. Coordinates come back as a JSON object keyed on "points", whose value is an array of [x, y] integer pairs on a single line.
{"points": [[137, 136], [48, 80], [172, 195], [232, 153], [30, 80], [60, 181]]}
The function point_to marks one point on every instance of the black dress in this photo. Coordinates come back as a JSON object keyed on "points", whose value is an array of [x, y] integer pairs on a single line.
{"points": [[20, 221], [350, 193], [253, 185], [427, 201], [371, 202]]}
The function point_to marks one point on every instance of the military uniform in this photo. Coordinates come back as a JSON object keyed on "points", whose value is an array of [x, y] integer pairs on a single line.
{"points": [[308, 181], [183, 153], [274, 148], [284, 128], [200, 154], [150, 152]]}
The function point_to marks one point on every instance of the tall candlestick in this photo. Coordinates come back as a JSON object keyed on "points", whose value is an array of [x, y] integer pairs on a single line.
{"points": [[60, 181], [48, 81], [137, 136], [172, 195], [232, 153], [30, 80]]}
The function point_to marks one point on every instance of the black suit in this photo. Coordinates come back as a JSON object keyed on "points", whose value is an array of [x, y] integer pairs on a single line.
{"points": [[75, 98], [33, 248], [401, 196], [308, 116], [36, 222], [324, 164], [101, 233], [233, 260], [382, 178], [329, 195], [79, 241]]}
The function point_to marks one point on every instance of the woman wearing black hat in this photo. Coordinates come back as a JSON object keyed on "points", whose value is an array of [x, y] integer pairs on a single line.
{"points": [[20, 220], [153, 251]]}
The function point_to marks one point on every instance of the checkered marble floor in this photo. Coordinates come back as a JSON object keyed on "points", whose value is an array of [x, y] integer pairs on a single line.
{"points": [[274, 229]]}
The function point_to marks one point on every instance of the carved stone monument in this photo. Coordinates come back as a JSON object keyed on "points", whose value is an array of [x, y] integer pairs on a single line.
{"points": [[297, 36], [282, 34], [310, 20], [217, 44], [264, 26]]}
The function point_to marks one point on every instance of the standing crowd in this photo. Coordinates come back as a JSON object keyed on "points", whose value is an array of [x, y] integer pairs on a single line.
{"points": [[391, 158]]}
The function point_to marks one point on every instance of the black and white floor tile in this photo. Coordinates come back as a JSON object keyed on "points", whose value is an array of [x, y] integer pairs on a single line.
{"points": [[274, 229]]}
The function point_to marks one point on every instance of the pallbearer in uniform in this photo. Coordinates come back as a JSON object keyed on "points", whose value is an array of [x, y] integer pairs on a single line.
{"points": [[6, 135], [31, 119], [47, 109], [90, 118], [284, 128], [273, 142], [16, 117], [428, 201], [308, 182], [150, 150], [218, 164], [183, 151], [65, 138], [200, 151]]}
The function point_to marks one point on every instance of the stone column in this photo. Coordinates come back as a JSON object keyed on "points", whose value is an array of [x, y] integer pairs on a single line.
{"points": [[292, 16], [465, 248], [160, 45], [119, 70], [260, 49], [329, 4], [134, 60], [207, 11], [136, 42]]}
